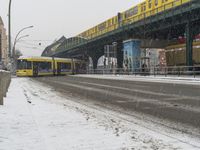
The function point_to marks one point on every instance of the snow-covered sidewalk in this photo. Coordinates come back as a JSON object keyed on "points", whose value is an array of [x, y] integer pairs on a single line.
{"points": [[35, 117], [157, 78]]}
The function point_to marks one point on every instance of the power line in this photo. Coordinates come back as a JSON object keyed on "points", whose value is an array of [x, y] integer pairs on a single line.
{"points": [[40, 40], [30, 47], [30, 44]]}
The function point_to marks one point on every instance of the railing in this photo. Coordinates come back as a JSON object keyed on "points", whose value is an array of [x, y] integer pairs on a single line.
{"points": [[178, 71], [5, 79]]}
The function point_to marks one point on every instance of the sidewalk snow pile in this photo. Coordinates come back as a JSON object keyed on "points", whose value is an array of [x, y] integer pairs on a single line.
{"points": [[35, 117]]}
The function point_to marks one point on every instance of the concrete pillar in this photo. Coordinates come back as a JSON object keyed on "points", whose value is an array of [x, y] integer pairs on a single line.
{"points": [[95, 62], [4, 84], [95, 55], [5, 79], [120, 54]]}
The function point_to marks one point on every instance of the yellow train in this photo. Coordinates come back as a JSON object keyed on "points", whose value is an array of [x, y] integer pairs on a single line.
{"points": [[42, 66], [176, 54], [135, 13]]}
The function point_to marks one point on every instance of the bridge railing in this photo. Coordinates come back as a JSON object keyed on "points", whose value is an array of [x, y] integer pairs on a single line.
{"points": [[178, 71], [5, 79]]}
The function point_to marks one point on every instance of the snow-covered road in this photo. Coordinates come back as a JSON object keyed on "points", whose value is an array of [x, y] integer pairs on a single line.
{"points": [[35, 117]]}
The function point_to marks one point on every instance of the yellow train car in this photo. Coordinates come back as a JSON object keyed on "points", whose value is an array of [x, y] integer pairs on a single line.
{"points": [[138, 12], [130, 15], [176, 54], [178, 57], [62, 66], [79, 66], [34, 66], [46, 66], [104, 27]]}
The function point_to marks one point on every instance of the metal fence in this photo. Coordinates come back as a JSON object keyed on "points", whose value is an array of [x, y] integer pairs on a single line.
{"points": [[191, 71], [5, 79]]}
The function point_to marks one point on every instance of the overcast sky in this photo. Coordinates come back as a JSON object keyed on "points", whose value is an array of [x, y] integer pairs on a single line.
{"points": [[53, 18]]}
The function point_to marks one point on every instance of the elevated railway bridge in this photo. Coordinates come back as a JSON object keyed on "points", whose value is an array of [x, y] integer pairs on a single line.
{"points": [[155, 31]]}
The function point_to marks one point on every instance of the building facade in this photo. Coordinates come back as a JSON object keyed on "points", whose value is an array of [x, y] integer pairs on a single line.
{"points": [[3, 45]]}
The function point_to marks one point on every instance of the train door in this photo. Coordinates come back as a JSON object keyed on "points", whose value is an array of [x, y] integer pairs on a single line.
{"points": [[59, 68], [120, 19], [157, 6], [35, 69], [167, 4], [143, 10], [149, 8], [77, 67], [73, 66], [53, 66]]}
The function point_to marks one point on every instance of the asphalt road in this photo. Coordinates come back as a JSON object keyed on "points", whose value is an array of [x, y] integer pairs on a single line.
{"points": [[177, 103]]}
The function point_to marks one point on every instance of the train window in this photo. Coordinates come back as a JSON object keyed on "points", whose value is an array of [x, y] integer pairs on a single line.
{"points": [[163, 1], [66, 66], [109, 23], [24, 64], [119, 17], [150, 3], [44, 65], [29, 65], [135, 10], [156, 2], [102, 26], [131, 12], [143, 7]]}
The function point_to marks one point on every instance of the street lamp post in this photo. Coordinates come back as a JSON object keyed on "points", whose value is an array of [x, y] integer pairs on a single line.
{"points": [[9, 29], [15, 42], [9, 32], [17, 38], [14, 61]]}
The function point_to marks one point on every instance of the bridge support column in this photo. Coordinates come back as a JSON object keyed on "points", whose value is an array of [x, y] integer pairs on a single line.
{"points": [[95, 62], [120, 54], [95, 55], [189, 44]]}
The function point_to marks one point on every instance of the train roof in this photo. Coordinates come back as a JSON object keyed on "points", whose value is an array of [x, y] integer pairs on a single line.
{"points": [[46, 58], [42, 58], [34, 57]]}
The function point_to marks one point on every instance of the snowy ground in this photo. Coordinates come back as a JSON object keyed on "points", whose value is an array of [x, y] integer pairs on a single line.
{"points": [[35, 117]]}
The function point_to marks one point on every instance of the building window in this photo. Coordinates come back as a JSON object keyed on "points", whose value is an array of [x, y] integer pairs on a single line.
{"points": [[156, 2]]}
